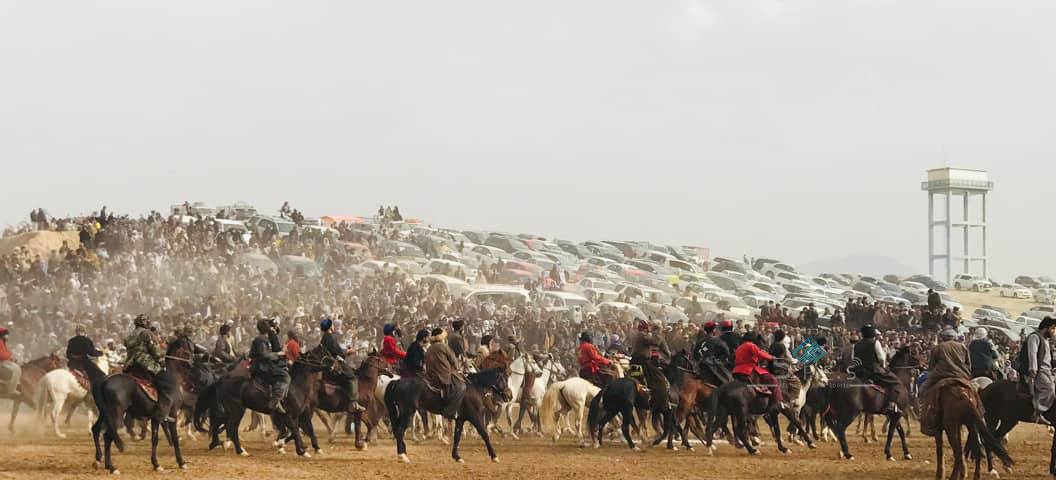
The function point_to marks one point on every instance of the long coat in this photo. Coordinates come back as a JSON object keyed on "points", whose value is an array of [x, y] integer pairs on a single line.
{"points": [[440, 363], [1044, 391]]}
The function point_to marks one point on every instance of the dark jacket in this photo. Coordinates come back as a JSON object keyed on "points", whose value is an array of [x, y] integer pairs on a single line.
{"points": [[440, 363], [331, 345], [982, 355], [732, 341], [711, 348], [264, 354], [80, 347], [457, 343], [223, 350], [414, 362]]}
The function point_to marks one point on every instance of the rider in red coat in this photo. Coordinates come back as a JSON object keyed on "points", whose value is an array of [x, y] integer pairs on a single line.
{"points": [[590, 361], [390, 349], [746, 362]]}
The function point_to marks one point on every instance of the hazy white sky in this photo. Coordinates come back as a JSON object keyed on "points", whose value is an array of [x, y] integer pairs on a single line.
{"points": [[794, 129]]}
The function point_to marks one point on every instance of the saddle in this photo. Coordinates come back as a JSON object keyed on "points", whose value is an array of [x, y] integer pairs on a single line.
{"points": [[145, 384], [82, 378]]}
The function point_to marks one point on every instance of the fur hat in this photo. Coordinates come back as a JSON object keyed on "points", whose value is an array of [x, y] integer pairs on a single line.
{"points": [[439, 335], [868, 331]]}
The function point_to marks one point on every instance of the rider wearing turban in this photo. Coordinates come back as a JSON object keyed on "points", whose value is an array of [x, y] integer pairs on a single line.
{"points": [[983, 356]]}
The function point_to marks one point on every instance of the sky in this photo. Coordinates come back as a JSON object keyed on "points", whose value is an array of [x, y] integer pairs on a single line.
{"points": [[799, 130]]}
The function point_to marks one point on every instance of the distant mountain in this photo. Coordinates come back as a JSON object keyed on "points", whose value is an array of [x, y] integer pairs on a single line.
{"points": [[862, 263]]}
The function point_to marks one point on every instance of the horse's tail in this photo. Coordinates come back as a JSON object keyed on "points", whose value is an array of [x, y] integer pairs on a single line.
{"points": [[549, 407], [594, 412], [718, 413], [206, 400], [987, 438]]}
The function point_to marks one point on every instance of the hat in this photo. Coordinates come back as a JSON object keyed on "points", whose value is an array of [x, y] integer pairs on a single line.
{"points": [[225, 329], [422, 334], [388, 329], [326, 324], [709, 326], [3, 331], [979, 333], [457, 324], [726, 325], [439, 335], [948, 334], [485, 340], [868, 331], [586, 337]]}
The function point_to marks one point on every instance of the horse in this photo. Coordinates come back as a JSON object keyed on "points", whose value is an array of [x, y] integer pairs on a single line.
{"points": [[520, 369], [959, 406], [743, 401], [406, 396], [572, 395], [335, 400], [694, 394], [1005, 407], [811, 376], [907, 365], [60, 391], [849, 398], [119, 395], [618, 397], [32, 372], [226, 401]]}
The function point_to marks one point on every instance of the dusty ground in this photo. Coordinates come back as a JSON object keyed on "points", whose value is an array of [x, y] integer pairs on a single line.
{"points": [[37, 456], [973, 300]]}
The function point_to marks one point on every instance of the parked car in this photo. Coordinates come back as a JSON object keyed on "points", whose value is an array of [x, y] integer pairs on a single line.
{"points": [[1045, 296], [974, 283], [1040, 312], [914, 287], [1026, 281], [1013, 290]]}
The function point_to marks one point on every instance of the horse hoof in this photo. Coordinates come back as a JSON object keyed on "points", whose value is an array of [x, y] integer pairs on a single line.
{"points": [[993, 473], [185, 467], [278, 443], [907, 457], [319, 451], [689, 449], [159, 469], [890, 458], [97, 465], [850, 458], [494, 459], [306, 455], [227, 444], [787, 451], [636, 449], [115, 472], [753, 452], [403, 458], [281, 451], [244, 453], [459, 460], [60, 435]]}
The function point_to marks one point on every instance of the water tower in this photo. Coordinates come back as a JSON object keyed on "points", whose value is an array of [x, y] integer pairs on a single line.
{"points": [[963, 218]]}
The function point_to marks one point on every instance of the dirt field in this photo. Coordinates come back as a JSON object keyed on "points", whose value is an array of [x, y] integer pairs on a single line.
{"points": [[36, 456], [973, 300]]}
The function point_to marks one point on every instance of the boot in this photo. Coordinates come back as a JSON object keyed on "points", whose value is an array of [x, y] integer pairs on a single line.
{"points": [[275, 400], [353, 397], [163, 408]]}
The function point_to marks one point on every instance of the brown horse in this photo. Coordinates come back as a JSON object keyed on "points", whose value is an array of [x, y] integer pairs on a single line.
{"points": [[335, 400], [694, 395], [32, 372], [959, 406]]}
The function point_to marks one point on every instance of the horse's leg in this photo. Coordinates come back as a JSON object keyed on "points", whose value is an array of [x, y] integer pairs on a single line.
{"points": [[16, 403], [97, 429], [175, 436], [605, 419], [740, 430], [234, 419], [872, 429], [154, 445], [939, 461], [953, 433], [56, 412], [484, 435], [794, 422], [357, 420], [902, 439], [309, 429], [298, 440], [839, 428], [625, 427], [109, 440], [399, 428], [460, 423], [893, 421], [522, 408]]}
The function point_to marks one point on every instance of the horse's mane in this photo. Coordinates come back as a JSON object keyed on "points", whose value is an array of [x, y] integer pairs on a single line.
{"points": [[485, 378], [177, 345], [42, 361]]}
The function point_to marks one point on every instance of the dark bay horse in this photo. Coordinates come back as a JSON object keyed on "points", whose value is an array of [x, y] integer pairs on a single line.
{"points": [[618, 397], [335, 400], [852, 397], [741, 401], [225, 402], [32, 372], [1006, 407], [694, 395], [959, 406], [406, 396], [119, 396]]}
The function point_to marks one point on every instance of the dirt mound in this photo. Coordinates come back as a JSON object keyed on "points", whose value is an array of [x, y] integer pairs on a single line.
{"points": [[39, 243]]}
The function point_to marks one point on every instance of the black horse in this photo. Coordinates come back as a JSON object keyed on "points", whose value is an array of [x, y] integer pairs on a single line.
{"points": [[741, 401], [120, 395], [1006, 407], [226, 401], [619, 397], [851, 397]]}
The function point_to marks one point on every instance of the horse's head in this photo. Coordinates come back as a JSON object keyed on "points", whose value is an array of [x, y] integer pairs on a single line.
{"points": [[372, 367], [494, 380], [555, 366], [53, 362]]}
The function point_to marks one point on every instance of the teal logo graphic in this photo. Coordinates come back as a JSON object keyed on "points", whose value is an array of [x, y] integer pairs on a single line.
{"points": [[809, 352]]}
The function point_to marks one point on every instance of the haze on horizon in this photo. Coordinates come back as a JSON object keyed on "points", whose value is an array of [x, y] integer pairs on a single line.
{"points": [[791, 129]]}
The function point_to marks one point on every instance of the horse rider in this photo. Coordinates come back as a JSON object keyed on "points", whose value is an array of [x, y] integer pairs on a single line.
{"points": [[145, 359], [457, 342], [495, 358], [644, 348], [781, 365], [948, 360], [746, 365], [934, 302], [591, 362], [983, 356], [731, 339], [78, 351], [413, 364], [269, 364], [1037, 365], [441, 372], [616, 346], [711, 355], [483, 350], [869, 362], [223, 349], [390, 347], [343, 375], [7, 364]]}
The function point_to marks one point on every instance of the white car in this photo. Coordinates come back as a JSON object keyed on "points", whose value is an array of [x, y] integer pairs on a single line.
{"points": [[970, 282], [1045, 296], [1040, 312], [914, 287], [1011, 290]]}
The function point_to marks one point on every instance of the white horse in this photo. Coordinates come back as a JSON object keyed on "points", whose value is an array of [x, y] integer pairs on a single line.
{"points": [[816, 377], [58, 391], [572, 395], [543, 371]]}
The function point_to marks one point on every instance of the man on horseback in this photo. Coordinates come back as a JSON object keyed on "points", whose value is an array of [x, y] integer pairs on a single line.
{"points": [[781, 365], [390, 348], [731, 339], [344, 375], [646, 351], [983, 356], [869, 362], [78, 352], [591, 362], [269, 365], [746, 365], [441, 372], [712, 355], [145, 359], [949, 361], [7, 364], [223, 350], [458, 343], [413, 364]]}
